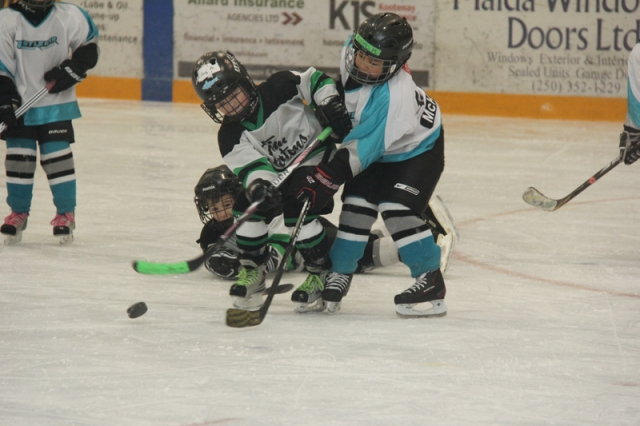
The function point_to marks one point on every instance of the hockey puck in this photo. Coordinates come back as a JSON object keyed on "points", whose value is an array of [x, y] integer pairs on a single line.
{"points": [[137, 309]]}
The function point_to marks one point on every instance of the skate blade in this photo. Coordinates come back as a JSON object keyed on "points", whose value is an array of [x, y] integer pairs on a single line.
{"points": [[317, 305], [437, 309], [12, 239], [65, 239], [250, 303], [333, 307]]}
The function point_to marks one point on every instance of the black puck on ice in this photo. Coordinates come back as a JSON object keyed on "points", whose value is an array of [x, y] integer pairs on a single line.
{"points": [[137, 309]]}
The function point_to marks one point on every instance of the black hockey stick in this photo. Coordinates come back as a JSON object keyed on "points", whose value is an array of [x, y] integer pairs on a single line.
{"points": [[239, 318], [158, 268], [35, 98], [537, 199]]}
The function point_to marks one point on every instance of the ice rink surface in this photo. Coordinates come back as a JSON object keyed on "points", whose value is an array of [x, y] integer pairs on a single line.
{"points": [[543, 325]]}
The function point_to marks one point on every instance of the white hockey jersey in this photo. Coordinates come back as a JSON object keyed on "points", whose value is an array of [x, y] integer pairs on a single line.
{"points": [[28, 51], [282, 127], [392, 122], [633, 90]]}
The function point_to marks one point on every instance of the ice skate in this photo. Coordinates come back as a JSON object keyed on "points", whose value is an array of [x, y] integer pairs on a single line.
{"points": [[13, 226], [63, 226], [446, 242], [248, 290], [308, 297], [336, 287], [429, 288]]}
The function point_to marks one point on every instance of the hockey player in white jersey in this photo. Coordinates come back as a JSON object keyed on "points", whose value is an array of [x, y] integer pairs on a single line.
{"points": [[263, 129], [36, 38], [630, 137], [215, 194], [391, 162]]}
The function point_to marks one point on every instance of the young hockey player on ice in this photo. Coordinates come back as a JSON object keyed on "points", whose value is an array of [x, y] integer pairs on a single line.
{"points": [[215, 195], [630, 137], [391, 161], [36, 37], [263, 130]]}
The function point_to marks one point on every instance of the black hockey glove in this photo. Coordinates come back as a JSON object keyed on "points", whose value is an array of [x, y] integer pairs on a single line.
{"points": [[332, 113], [66, 75], [8, 106], [261, 189], [630, 145], [319, 186], [224, 263]]}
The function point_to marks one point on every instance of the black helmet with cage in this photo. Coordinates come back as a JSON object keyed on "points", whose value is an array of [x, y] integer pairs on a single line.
{"points": [[386, 39], [223, 84], [38, 4], [212, 187]]}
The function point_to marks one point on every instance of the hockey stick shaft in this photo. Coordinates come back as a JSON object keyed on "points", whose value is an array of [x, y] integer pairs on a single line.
{"points": [[535, 198], [35, 98], [156, 268], [239, 318]]}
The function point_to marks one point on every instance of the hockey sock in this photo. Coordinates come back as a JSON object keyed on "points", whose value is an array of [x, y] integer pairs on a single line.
{"points": [[356, 219], [412, 236], [56, 159], [20, 166]]}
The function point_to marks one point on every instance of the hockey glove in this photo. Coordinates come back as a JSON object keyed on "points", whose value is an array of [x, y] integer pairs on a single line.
{"points": [[261, 189], [630, 146], [66, 75], [224, 263], [319, 186], [332, 113], [8, 106]]}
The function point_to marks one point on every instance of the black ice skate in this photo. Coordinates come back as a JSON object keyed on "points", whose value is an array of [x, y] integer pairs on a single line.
{"points": [[248, 290], [429, 287], [13, 226], [336, 287], [308, 297]]}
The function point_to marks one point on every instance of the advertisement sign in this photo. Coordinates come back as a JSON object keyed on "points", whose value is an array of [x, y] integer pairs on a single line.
{"points": [[273, 35], [550, 47], [119, 23]]}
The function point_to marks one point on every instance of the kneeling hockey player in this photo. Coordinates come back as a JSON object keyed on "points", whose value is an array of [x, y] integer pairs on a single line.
{"points": [[264, 129]]}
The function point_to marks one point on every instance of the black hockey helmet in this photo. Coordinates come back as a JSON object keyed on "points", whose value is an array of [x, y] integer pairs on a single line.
{"points": [[225, 87], [213, 185], [38, 4], [384, 38]]}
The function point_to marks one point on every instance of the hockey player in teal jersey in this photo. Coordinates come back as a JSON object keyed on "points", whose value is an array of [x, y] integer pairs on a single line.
{"points": [[263, 130], [391, 162], [630, 137], [36, 38]]}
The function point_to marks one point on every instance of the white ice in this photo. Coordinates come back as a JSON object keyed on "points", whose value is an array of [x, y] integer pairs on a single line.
{"points": [[543, 325]]}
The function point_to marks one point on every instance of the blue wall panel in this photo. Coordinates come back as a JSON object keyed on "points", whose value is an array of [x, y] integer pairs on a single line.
{"points": [[157, 50]]}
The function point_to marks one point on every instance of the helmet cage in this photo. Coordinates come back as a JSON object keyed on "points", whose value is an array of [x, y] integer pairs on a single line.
{"points": [[388, 69], [235, 107], [38, 4], [215, 193]]}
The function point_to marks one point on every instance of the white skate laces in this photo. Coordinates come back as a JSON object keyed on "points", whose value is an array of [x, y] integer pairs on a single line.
{"points": [[428, 288], [337, 286]]}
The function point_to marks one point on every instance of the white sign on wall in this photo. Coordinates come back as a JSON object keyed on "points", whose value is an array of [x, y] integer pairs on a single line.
{"points": [[272, 35], [119, 23], [562, 47]]}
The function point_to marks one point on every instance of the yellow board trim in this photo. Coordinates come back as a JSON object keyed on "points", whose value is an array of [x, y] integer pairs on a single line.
{"points": [[489, 104], [110, 88]]}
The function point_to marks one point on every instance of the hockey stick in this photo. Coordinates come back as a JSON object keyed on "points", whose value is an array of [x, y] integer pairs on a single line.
{"points": [[157, 268], [35, 98], [537, 199], [240, 318]]}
